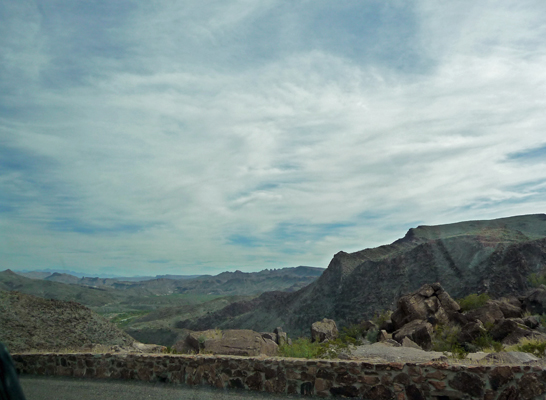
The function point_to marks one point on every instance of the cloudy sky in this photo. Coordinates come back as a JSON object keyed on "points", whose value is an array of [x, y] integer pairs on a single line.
{"points": [[197, 136]]}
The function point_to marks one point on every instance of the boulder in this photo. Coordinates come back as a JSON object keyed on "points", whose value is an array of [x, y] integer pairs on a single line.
{"points": [[239, 342], [510, 331], [488, 314], [324, 330], [418, 331], [282, 337], [407, 342], [383, 336], [431, 303], [196, 340], [471, 332], [510, 307]]}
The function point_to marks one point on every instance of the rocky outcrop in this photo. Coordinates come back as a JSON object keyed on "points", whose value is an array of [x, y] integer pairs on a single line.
{"points": [[325, 330], [418, 314], [430, 303], [236, 342]]}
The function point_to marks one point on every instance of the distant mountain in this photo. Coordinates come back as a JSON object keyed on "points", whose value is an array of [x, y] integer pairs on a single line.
{"points": [[494, 256], [224, 284], [31, 323]]}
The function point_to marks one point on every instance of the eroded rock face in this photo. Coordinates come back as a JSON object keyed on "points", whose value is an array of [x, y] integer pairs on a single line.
{"points": [[324, 330]]}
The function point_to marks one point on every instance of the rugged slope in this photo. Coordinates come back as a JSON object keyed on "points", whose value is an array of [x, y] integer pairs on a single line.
{"points": [[494, 256], [30, 322]]}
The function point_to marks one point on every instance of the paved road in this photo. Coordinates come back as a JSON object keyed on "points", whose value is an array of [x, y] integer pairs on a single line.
{"points": [[55, 388]]}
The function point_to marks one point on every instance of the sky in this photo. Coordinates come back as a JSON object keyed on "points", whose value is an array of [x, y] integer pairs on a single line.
{"points": [[193, 137]]}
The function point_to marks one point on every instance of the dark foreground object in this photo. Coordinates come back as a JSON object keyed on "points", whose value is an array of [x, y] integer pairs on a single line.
{"points": [[9, 383], [57, 388]]}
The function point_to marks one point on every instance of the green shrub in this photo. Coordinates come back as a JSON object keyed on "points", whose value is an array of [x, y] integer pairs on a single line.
{"points": [[351, 334], [381, 317], [371, 335], [485, 342], [445, 340], [301, 348], [473, 301], [304, 348], [534, 346], [537, 279], [445, 337]]}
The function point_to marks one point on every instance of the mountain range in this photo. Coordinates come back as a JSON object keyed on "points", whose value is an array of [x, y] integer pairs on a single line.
{"points": [[493, 256]]}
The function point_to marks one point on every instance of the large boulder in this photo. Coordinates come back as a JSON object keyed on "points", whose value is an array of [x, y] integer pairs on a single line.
{"points": [[510, 307], [236, 342], [324, 330], [471, 332], [419, 331], [511, 330], [431, 303], [488, 314], [197, 339]]}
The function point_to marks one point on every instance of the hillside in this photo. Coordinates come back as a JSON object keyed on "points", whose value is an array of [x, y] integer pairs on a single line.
{"points": [[494, 256], [89, 296], [30, 322]]}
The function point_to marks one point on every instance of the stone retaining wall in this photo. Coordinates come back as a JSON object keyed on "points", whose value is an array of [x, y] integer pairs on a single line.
{"points": [[323, 378]]}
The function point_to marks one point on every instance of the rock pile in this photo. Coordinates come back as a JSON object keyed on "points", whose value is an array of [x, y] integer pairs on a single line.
{"points": [[419, 313]]}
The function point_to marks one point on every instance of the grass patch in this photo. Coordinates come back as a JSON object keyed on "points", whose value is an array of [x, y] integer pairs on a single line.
{"points": [[536, 347], [382, 317], [123, 319], [304, 348], [537, 279], [473, 301], [445, 340]]}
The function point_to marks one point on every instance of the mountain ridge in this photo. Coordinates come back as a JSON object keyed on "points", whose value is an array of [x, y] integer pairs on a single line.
{"points": [[494, 256]]}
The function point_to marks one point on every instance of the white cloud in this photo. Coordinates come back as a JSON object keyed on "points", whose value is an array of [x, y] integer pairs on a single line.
{"points": [[188, 151]]}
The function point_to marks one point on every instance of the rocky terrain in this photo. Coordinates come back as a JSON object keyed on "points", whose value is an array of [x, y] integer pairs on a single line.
{"points": [[494, 256], [32, 323]]}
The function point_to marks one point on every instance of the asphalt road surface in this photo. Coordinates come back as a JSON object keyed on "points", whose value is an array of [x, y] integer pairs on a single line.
{"points": [[56, 388]]}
